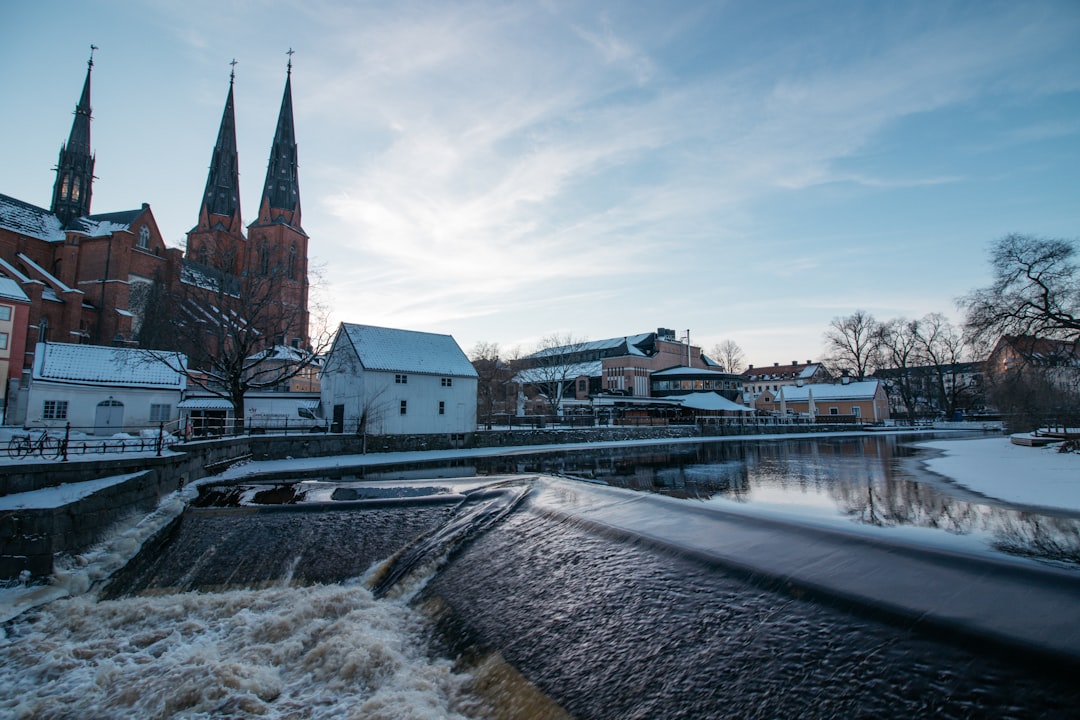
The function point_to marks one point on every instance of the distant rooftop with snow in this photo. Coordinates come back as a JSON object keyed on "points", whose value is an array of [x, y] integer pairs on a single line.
{"points": [[30, 220], [109, 366], [831, 391], [409, 351]]}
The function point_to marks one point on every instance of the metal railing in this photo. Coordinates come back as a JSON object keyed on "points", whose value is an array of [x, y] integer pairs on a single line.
{"points": [[71, 442]]}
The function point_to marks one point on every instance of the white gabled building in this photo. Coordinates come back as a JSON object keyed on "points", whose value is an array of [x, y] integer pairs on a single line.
{"points": [[394, 382], [102, 390]]}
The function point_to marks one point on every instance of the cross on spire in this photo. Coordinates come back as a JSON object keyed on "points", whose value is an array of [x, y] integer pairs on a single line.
{"points": [[290, 53], [93, 47], [232, 71]]}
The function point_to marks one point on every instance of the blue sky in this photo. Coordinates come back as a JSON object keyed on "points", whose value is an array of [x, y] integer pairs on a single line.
{"points": [[503, 171]]}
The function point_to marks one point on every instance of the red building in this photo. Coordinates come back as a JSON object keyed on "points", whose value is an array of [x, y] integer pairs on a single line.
{"points": [[89, 278]]}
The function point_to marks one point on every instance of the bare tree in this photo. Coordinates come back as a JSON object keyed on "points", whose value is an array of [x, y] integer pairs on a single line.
{"points": [[853, 343], [899, 346], [942, 345], [1035, 291], [496, 374], [729, 355], [557, 361], [232, 328]]}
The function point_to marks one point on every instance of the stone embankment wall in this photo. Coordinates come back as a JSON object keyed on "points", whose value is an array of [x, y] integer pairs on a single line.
{"points": [[31, 536]]}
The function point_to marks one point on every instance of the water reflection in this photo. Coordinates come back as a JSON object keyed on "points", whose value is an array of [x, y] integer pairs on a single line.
{"points": [[872, 483]]}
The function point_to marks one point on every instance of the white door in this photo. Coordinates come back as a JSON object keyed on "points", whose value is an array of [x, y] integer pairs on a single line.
{"points": [[109, 417]]}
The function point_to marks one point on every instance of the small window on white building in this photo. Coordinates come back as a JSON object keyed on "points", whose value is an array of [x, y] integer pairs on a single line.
{"points": [[160, 413], [55, 410], [404, 406], [442, 407], [448, 382], [401, 380]]}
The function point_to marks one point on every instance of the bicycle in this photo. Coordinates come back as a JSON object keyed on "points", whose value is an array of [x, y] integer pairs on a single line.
{"points": [[46, 446]]}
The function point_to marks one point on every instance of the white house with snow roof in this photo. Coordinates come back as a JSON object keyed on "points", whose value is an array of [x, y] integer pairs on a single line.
{"points": [[101, 390], [386, 381]]}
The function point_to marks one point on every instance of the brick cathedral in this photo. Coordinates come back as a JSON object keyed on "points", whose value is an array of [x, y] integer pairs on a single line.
{"points": [[67, 275]]}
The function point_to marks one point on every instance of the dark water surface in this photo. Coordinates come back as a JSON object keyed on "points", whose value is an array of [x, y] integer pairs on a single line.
{"points": [[610, 627]]}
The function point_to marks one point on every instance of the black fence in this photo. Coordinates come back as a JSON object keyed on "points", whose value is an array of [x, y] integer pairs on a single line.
{"points": [[71, 442]]}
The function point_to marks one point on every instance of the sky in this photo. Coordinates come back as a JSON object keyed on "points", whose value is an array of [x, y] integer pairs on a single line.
{"points": [[508, 171]]}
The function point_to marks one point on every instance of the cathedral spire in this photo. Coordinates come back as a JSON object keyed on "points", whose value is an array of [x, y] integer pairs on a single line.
{"points": [[281, 192], [221, 199], [75, 167]]}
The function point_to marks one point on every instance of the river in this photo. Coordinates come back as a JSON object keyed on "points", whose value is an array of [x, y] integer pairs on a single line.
{"points": [[482, 589]]}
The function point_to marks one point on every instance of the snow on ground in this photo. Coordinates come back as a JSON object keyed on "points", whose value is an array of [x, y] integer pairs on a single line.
{"points": [[996, 468]]}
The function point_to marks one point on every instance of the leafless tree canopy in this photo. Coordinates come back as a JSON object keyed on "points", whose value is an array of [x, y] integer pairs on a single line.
{"points": [[853, 343], [495, 370], [555, 362], [729, 355], [1035, 291], [231, 328]]}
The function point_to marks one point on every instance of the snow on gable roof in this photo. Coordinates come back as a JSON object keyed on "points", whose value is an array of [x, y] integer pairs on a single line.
{"points": [[712, 401], [105, 224], [108, 366], [863, 389], [549, 373], [10, 290], [407, 351], [632, 346], [30, 220]]}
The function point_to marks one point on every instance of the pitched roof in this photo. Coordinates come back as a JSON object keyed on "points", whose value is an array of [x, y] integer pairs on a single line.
{"points": [[407, 351], [107, 366], [797, 371], [30, 220], [831, 391], [105, 224], [712, 401], [10, 290]]}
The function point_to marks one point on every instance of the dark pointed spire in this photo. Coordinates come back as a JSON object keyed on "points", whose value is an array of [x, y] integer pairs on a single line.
{"points": [[281, 192], [222, 195], [75, 168]]}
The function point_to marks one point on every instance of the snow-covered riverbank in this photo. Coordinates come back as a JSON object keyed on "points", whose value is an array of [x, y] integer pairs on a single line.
{"points": [[996, 468]]}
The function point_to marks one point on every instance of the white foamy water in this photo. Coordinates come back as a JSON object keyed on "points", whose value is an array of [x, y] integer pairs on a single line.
{"points": [[288, 652]]}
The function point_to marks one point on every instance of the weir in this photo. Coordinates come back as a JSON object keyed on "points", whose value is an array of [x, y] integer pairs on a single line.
{"points": [[684, 594], [607, 602]]}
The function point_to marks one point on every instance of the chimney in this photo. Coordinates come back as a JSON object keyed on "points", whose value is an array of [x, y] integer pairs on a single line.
{"points": [[751, 367], [794, 362], [776, 364]]}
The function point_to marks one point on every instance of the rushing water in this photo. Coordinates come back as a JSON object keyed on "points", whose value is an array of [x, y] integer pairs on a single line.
{"points": [[260, 603]]}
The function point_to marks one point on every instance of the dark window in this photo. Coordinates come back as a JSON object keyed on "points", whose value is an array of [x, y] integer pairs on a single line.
{"points": [[447, 382], [55, 410], [401, 379], [442, 407], [404, 406]]}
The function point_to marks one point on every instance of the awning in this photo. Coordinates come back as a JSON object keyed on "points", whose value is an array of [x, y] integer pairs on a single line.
{"points": [[205, 404]]}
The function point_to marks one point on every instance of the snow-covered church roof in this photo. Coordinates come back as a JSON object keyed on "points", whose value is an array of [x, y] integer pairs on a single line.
{"points": [[407, 351], [30, 220], [108, 366]]}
